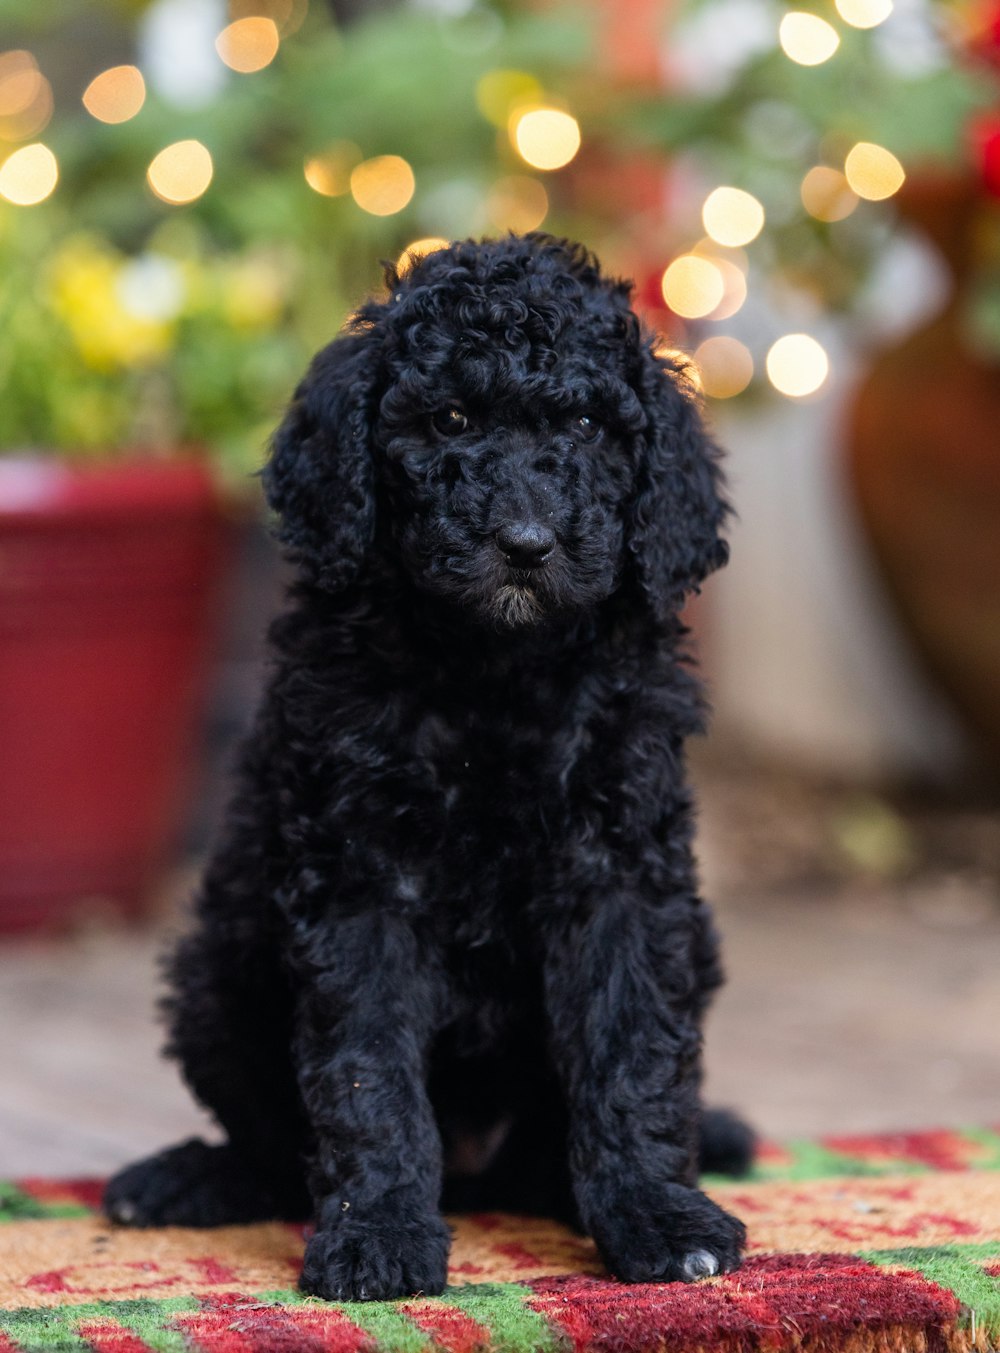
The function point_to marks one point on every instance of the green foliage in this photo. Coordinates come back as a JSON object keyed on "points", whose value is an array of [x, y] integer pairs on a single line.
{"points": [[125, 320], [49, 394], [260, 270]]}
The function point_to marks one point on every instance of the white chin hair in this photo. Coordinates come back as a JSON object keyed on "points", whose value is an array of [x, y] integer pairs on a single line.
{"points": [[515, 605]]}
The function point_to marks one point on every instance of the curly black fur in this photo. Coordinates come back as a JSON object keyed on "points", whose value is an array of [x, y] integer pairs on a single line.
{"points": [[450, 951]]}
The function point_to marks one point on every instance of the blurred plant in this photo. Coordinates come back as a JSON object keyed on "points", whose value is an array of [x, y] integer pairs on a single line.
{"points": [[813, 117], [168, 274], [173, 253], [174, 346]]}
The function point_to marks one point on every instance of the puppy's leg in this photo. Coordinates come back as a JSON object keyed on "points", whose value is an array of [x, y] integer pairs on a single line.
{"points": [[231, 1032], [726, 1144], [229, 1015], [624, 1012], [368, 1004], [195, 1184], [521, 1150]]}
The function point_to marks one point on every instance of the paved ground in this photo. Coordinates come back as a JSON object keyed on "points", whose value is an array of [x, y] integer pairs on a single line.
{"points": [[863, 948]]}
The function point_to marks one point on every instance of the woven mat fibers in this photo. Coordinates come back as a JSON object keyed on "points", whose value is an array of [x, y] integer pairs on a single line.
{"points": [[857, 1245]]}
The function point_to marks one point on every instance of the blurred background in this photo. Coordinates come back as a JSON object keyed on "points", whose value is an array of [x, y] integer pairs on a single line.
{"points": [[193, 196]]}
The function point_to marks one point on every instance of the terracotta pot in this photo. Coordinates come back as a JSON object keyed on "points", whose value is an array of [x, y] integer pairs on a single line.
{"points": [[109, 583], [924, 455]]}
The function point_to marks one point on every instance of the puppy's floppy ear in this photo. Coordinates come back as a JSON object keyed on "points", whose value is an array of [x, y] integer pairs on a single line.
{"points": [[679, 509], [319, 478]]}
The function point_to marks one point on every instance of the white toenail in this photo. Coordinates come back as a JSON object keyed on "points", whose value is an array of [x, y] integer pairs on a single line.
{"points": [[700, 1264]]}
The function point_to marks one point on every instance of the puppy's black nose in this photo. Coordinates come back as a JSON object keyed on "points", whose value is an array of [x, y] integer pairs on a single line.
{"points": [[527, 544]]}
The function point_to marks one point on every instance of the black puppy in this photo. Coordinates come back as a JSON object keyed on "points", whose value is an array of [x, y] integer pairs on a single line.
{"points": [[450, 951]]}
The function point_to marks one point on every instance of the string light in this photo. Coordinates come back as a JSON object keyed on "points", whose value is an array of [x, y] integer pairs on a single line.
{"points": [[287, 15], [382, 185], [26, 102], [697, 285], [797, 365], [181, 172], [864, 13], [733, 266], [873, 172], [329, 173], [116, 94], [726, 366], [417, 250], [732, 217], [693, 286], [826, 194], [734, 289], [807, 39], [708, 248], [19, 82], [545, 138], [249, 44], [498, 91], [517, 203], [29, 175]]}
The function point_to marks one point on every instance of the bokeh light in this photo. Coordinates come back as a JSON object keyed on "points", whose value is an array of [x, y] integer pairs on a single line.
{"points": [[693, 286], [517, 203], [498, 91], [708, 248], [734, 289], [873, 172], [25, 97], [329, 173], [807, 39], [19, 82], [826, 194], [545, 138], [797, 365], [249, 44], [287, 15], [417, 250], [116, 94], [732, 217], [864, 13], [29, 175], [382, 185], [726, 366], [180, 172]]}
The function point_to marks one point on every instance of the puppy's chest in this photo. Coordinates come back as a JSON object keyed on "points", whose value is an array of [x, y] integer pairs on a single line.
{"points": [[495, 810], [494, 777]]}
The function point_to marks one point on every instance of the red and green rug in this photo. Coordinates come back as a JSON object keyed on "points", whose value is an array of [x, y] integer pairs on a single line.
{"points": [[857, 1245]]}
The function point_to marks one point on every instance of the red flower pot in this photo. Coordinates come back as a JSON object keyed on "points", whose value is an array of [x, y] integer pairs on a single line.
{"points": [[108, 589]]}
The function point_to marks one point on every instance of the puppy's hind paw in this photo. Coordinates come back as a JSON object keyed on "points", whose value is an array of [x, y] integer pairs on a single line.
{"points": [[683, 1238], [700, 1264], [195, 1184]]}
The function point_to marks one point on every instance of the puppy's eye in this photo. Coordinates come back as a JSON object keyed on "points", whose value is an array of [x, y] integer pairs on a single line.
{"points": [[450, 421], [586, 428]]}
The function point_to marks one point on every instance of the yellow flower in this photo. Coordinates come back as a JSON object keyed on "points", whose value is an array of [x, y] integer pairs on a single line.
{"points": [[254, 290], [85, 280]]}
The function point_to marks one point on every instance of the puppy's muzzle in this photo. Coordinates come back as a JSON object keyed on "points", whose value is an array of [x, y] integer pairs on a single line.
{"points": [[526, 544]]}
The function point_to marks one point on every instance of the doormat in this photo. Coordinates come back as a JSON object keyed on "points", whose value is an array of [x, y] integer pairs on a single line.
{"points": [[886, 1244]]}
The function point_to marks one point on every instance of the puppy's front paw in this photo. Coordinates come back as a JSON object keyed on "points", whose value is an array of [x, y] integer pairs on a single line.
{"points": [[679, 1235], [377, 1260]]}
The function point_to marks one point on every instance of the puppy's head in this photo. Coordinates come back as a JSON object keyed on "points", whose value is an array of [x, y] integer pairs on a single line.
{"points": [[501, 426]]}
